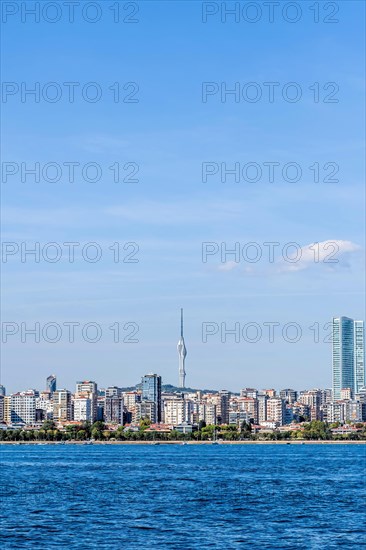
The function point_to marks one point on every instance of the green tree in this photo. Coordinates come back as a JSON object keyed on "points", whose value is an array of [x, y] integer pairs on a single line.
{"points": [[120, 434], [245, 430], [99, 425], [86, 427], [48, 425], [202, 424], [145, 423], [81, 435], [96, 433]]}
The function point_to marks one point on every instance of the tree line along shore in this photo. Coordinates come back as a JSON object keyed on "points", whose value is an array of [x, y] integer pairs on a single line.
{"points": [[97, 432]]}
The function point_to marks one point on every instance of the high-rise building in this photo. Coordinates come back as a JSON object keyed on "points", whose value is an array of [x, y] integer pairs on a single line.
{"points": [[44, 403], [129, 401], [83, 407], [262, 399], [51, 383], [342, 354], [61, 404], [312, 398], [144, 409], [238, 417], [151, 391], [89, 387], [7, 409], [182, 352], [270, 393], [249, 405], [2, 408], [223, 409], [346, 394], [249, 392], [289, 395], [207, 412], [23, 407], [348, 350], [113, 391], [276, 410], [113, 409], [86, 386], [100, 407], [175, 411], [345, 411], [360, 373], [2, 390]]}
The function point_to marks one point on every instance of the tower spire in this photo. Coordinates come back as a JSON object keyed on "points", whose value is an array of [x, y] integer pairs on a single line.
{"points": [[182, 352]]}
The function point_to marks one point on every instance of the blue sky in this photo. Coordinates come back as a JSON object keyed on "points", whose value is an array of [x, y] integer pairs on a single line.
{"points": [[170, 212]]}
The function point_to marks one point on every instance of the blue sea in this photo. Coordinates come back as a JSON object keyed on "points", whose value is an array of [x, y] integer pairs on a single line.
{"points": [[183, 496]]}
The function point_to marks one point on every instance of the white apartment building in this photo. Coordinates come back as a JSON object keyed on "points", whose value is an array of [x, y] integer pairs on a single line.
{"points": [[23, 407], [89, 388], [249, 392], [344, 411], [83, 408], [207, 412], [262, 407], [145, 409], [175, 411], [44, 403], [276, 410], [131, 400], [248, 405], [314, 399], [346, 393]]}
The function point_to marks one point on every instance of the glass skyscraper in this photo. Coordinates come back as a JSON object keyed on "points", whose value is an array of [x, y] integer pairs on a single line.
{"points": [[360, 379], [51, 383], [347, 355], [151, 391]]}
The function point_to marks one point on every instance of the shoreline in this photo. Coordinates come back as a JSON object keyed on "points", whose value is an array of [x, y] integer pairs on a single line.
{"points": [[305, 442]]}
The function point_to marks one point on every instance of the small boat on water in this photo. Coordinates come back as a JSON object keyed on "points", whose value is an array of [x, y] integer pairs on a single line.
{"points": [[214, 441]]}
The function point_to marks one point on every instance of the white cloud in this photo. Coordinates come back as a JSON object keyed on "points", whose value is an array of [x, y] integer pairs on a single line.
{"points": [[292, 257], [330, 253], [228, 266]]}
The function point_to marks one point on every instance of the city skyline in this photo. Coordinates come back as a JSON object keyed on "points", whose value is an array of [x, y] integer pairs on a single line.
{"points": [[183, 265], [348, 363], [266, 408], [356, 365], [170, 136]]}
